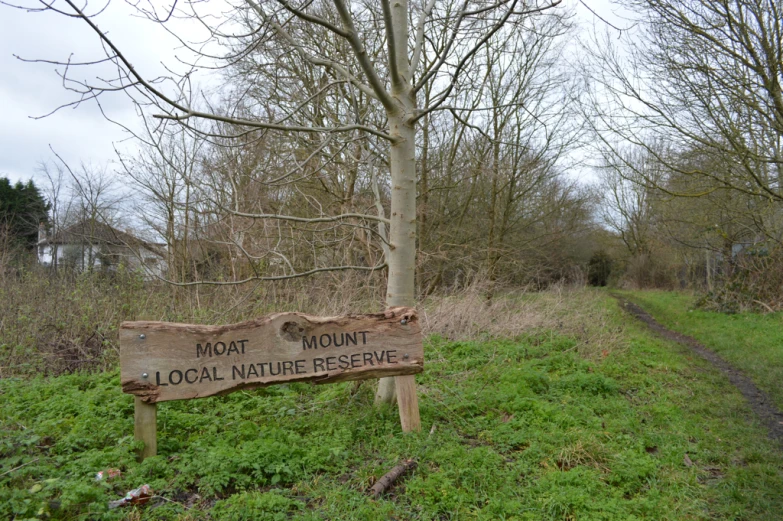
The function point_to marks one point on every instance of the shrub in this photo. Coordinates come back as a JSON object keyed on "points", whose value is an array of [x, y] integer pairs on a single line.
{"points": [[752, 282], [599, 268]]}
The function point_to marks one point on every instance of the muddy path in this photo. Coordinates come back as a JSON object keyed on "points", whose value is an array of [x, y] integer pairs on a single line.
{"points": [[759, 401]]}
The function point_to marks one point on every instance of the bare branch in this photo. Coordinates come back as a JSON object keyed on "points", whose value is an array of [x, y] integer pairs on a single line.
{"points": [[275, 277], [330, 218], [390, 45], [313, 19], [419, 41], [364, 61], [272, 126]]}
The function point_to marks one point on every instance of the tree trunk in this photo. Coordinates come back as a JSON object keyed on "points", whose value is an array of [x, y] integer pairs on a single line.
{"points": [[400, 287], [492, 252], [402, 232]]}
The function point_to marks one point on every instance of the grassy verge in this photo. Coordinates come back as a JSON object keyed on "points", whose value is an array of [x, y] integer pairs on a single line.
{"points": [[525, 429], [749, 341]]}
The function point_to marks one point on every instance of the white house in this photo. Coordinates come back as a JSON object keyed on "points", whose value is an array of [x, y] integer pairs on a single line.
{"points": [[93, 245]]}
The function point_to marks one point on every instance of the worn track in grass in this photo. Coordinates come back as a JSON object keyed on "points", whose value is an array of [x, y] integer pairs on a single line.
{"points": [[758, 400]]}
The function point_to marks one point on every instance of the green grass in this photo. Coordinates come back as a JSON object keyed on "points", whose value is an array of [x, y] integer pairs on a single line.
{"points": [[525, 429], [751, 342]]}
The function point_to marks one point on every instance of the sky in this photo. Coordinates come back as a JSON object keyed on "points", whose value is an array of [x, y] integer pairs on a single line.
{"points": [[82, 134], [31, 90]]}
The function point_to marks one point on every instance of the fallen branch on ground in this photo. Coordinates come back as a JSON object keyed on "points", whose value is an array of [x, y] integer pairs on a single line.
{"points": [[36, 459], [390, 477]]}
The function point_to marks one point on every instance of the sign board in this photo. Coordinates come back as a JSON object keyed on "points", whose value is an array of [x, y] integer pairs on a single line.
{"points": [[163, 361]]}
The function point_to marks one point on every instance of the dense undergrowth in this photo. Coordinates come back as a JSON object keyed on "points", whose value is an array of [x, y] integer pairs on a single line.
{"points": [[544, 426], [753, 283], [56, 323], [59, 323]]}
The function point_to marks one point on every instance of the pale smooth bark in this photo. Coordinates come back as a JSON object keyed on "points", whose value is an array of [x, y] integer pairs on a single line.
{"points": [[400, 287]]}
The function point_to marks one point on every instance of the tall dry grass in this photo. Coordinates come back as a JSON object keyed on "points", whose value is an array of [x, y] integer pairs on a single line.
{"points": [[583, 313], [53, 323]]}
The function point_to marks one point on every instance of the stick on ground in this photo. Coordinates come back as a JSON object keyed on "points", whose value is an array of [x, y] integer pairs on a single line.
{"points": [[390, 477], [33, 461]]}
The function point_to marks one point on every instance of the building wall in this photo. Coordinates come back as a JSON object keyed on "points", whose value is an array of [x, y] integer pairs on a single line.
{"points": [[81, 257]]}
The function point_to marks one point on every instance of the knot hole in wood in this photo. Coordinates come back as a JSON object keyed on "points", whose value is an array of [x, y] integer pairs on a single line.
{"points": [[292, 331]]}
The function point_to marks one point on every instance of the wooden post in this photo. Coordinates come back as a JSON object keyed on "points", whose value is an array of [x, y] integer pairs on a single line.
{"points": [[145, 427], [408, 403]]}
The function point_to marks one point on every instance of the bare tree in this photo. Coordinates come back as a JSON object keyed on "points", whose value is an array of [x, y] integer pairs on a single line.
{"points": [[491, 166], [695, 75], [55, 177], [94, 200], [163, 172], [329, 59], [628, 201]]}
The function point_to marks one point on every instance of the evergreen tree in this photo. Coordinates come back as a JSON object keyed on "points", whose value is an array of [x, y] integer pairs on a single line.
{"points": [[22, 210]]}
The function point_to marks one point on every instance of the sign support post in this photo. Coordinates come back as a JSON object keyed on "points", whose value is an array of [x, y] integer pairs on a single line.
{"points": [[145, 427], [408, 403]]}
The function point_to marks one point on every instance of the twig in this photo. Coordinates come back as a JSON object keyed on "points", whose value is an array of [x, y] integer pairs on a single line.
{"points": [[765, 305], [19, 467], [390, 477]]}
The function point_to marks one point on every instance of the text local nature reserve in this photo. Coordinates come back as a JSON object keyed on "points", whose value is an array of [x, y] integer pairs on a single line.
{"points": [[255, 370]]}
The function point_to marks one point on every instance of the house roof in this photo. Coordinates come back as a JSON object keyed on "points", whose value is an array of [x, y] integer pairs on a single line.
{"points": [[94, 232]]}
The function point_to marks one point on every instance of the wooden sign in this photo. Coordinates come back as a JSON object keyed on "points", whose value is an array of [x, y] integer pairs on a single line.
{"points": [[162, 361]]}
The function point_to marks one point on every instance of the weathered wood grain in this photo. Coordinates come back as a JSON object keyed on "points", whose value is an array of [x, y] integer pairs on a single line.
{"points": [[163, 361], [408, 403], [145, 427]]}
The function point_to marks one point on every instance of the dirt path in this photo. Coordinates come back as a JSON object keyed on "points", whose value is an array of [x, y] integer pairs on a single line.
{"points": [[758, 400]]}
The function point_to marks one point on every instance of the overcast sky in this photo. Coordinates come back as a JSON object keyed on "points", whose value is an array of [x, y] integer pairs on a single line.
{"points": [[29, 90]]}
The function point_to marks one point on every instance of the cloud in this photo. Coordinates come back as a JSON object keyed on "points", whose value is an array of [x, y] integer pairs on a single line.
{"points": [[33, 89]]}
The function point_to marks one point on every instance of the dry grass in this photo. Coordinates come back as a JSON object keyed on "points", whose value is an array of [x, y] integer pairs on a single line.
{"points": [[53, 324], [576, 311], [469, 315], [576, 454]]}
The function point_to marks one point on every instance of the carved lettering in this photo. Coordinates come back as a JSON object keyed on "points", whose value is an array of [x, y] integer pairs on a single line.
{"points": [[195, 376], [182, 364], [206, 350]]}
